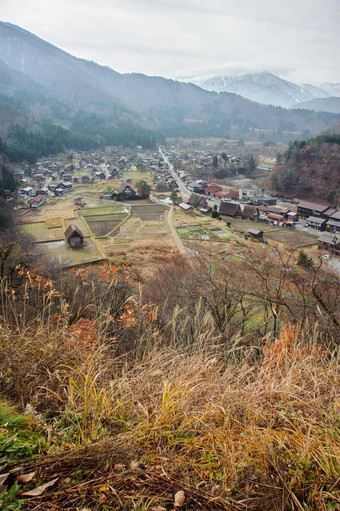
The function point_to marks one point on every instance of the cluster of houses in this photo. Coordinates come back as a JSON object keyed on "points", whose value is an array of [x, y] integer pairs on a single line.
{"points": [[323, 218], [275, 215], [163, 180], [53, 178], [200, 160], [320, 216]]}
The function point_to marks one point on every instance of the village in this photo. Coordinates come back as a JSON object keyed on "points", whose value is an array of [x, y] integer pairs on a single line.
{"points": [[80, 208]]}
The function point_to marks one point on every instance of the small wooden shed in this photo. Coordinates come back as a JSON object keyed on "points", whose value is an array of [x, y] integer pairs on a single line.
{"points": [[255, 233]]}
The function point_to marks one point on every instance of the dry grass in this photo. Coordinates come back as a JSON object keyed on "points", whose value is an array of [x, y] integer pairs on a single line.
{"points": [[264, 437], [147, 257], [234, 425]]}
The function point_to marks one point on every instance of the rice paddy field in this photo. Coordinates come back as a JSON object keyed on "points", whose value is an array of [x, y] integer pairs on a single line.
{"points": [[146, 223], [61, 254], [244, 225], [294, 239], [39, 231]]}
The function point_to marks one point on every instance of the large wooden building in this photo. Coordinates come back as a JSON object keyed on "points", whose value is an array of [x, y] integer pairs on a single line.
{"points": [[307, 209]]}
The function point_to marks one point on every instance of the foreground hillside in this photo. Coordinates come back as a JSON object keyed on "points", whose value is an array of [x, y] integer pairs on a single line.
{"points": [[198, 386], [310, 170]]}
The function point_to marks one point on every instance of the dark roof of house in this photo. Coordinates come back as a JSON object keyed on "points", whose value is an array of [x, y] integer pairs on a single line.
{"points": [[256, 232], [229, 208], [123, 186], [329, 239], [248, 211], [316, 220], [330, 211], [73, 229], [333, 223], [277, 210], [275, 216], [313, 206], [335, 216]]}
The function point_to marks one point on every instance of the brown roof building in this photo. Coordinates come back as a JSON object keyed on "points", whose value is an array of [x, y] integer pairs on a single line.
{"points": [[229, 209], [126, 189], [307, 209]]}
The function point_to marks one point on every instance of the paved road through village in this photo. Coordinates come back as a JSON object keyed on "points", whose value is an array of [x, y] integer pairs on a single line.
{"points": [[184, 191]]}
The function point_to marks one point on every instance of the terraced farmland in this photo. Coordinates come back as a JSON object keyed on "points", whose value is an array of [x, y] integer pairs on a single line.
{"points": [[107, 230], [103, 220], [146, 223]]}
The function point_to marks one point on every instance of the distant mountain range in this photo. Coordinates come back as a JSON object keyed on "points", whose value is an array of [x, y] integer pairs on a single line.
{"points": [[331, 104], [39, 81], [269, 89]]}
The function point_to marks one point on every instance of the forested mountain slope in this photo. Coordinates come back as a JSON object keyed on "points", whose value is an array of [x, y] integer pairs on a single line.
{"points": [[310, 169]]}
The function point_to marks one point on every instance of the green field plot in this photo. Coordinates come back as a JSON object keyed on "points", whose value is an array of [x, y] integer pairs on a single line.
{"points": [[152, 216], [159, 228], [244, 225], [113, 209], [40, 232], [142, 236], [103, 227], [294, 239], [103, 220], [61, 254], [198, 233], [148, 212]]}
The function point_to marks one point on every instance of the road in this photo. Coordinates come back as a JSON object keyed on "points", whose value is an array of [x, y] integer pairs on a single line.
{"points": [[184, 191], [174, 233]]}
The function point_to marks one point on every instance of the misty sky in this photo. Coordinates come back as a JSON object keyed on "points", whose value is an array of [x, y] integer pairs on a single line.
{"points": [[297, 39]]}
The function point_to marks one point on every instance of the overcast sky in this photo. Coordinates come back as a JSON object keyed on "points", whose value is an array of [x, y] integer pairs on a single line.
{"points": [[297, 39]]}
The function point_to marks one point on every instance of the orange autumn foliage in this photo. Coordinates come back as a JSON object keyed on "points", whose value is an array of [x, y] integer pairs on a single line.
{"points": [[83, 334], [286, 349]]}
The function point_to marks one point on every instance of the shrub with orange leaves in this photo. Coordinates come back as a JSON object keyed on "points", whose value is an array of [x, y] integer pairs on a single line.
{"points": [[135, 313], [37, 282], [83, 334]]}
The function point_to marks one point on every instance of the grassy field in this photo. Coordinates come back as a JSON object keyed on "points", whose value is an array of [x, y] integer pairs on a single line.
{"points": [[103, 210], [40, 232], [290, 238], [146, 223], [244, 225], [61, 254], [294, 239], [103, 227]]}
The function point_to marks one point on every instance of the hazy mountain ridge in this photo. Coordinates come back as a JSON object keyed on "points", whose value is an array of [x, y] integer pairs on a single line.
{"points": [[177, 109], [331, 104], [267, 88]]}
